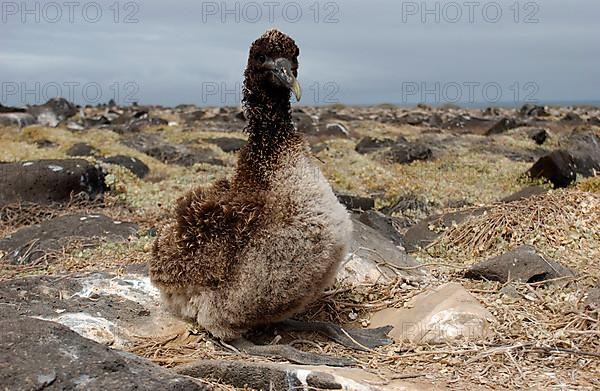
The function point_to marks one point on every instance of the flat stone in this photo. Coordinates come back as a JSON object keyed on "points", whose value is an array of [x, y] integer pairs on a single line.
{"points": [[352, 202], [523, 264], [38, 354], [109, 309], [370, 144], [404, 153], [286, 377], [48, 181], [32, 243], [178, 154], [502, 126], [81, 149], [373, 258], [385, 225], [135, 165], [444, 314], [526, 192], [228, 144]]}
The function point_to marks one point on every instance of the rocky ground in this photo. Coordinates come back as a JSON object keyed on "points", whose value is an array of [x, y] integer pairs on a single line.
{"points": [[477, 236]]}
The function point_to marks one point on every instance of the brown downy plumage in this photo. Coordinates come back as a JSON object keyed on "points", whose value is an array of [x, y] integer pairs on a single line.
{"points": [[258, 248]]}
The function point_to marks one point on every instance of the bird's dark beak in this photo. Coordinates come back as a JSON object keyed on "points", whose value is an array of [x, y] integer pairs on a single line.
{"points": [[282, 70]]}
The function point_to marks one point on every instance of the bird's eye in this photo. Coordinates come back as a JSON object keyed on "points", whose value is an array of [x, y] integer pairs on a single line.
{"points": [[262, 58]]}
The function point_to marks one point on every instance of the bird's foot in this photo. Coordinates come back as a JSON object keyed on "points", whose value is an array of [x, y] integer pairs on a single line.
{"points": [[357, 339], [290, 353]]}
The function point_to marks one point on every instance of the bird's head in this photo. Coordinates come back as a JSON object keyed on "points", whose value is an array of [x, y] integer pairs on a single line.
{"points": [[273, 64]]}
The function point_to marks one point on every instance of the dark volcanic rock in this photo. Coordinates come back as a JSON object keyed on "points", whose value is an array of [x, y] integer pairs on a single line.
{"points": [[572, 117], [539, 136], [531, 110], [139, 124], [53, 112], [45, 143], [558, 167], [468, 124], [407, 152], [414, 118], [522, 264], [502, 126], [136, 166], [428, 230], [353, 202], [47, 181], [31, 243], [228, 144], [38, 354], [183, 155], [385, 225], [370, 144], [16, 119], [81, 149], [579, 155], [7, 109], [527, 192]]}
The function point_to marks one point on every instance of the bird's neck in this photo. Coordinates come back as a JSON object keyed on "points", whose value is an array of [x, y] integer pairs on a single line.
{"points": [[271, 134], [269, 118]]}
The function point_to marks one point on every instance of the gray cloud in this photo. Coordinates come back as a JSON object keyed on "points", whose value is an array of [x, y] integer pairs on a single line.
{"points": [[370, 56]]}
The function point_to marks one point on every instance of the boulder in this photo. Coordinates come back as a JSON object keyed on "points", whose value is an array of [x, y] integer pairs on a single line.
{"points": [[370, 144], [48, 181], [228, 144], [136, 166], [408, 152], [179, 154], [539, 135], [502, 126], [523, 264], [579, 155], [441, 315], [81, 149], [32, 243], [558, 167], [37, 354], [572, 117]]}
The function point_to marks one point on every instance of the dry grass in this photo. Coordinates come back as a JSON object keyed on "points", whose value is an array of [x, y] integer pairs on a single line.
{"points": [[544, 336], [565, 224]]}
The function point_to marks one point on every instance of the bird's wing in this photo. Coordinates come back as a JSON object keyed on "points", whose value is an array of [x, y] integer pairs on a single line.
{"points": [[202, 246]]}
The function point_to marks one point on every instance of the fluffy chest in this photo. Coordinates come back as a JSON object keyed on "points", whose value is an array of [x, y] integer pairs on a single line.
{"points": [[304, 185]]}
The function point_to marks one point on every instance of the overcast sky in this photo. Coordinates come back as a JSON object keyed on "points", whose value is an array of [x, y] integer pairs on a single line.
{"points": [[352, 52]]}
